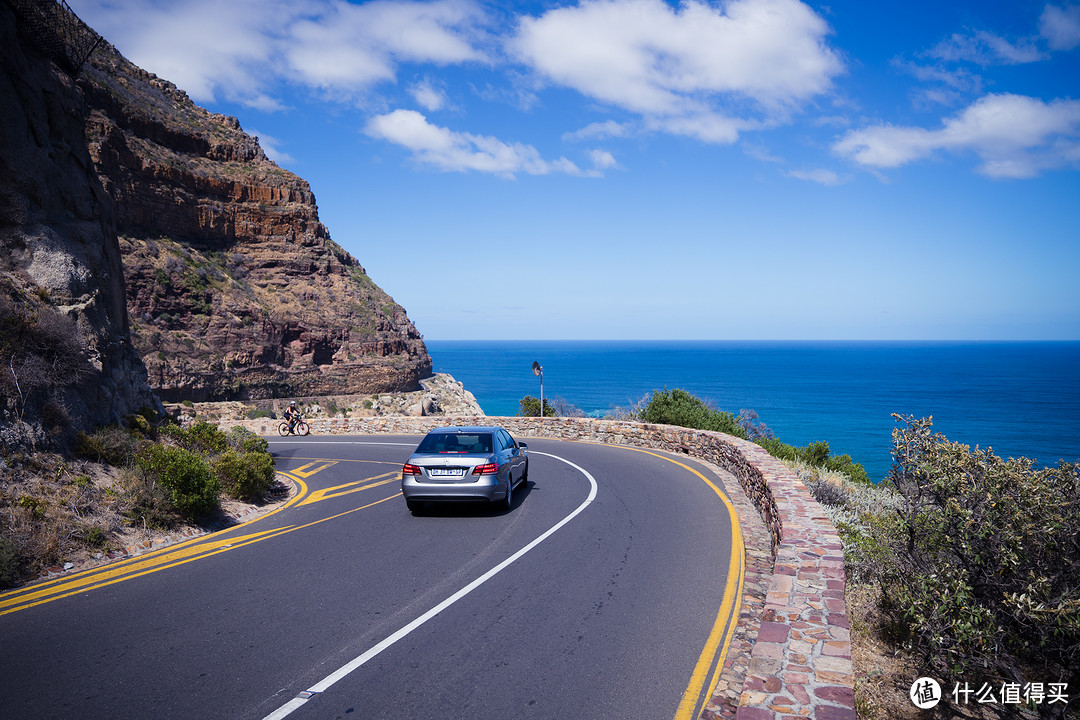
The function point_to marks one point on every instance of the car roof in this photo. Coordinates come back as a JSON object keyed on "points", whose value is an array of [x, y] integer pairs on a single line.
{"points": [[472, 429]]}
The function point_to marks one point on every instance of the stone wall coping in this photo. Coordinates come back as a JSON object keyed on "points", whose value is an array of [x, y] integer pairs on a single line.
{"points": [[800, 664]]}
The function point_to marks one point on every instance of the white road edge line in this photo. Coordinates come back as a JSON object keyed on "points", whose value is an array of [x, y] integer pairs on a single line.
{"points": [[344, 670]]}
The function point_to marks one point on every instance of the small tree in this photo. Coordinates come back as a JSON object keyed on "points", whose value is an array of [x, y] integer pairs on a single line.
{"points": [[981, 578], [679, 407], [529, 406]]}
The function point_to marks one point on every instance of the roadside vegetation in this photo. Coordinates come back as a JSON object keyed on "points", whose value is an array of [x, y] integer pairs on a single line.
{"points": [[529, 406], [961, 566], [152, 475], [679, 407]]}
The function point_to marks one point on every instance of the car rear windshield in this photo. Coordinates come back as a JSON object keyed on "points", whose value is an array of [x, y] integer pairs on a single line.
{"points": [[459, 443]]}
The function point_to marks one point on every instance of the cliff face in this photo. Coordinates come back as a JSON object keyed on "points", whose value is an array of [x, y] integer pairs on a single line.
{"points": [[67, 362], [234, 288]]}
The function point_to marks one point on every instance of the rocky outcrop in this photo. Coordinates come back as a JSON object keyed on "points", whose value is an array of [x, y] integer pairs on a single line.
{"points": [[64, 342], [234, 287], [441, 395]]}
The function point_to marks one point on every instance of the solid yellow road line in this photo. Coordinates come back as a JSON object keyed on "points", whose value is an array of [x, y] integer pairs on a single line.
{"points": [[692, 700], [85, 580], [220, 547]]}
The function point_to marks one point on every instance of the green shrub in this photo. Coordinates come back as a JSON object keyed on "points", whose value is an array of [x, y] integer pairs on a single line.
{"points": [[139, 424], [200, 437], [9, 562], [844, 464], [95, 536], [242, 439], [192, 487], [816, 454], [529, 406], [245, 476], [981, 578], [678, 407]]}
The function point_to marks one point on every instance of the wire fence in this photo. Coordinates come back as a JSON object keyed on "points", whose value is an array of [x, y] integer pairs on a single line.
{"points": [[57, 31]]}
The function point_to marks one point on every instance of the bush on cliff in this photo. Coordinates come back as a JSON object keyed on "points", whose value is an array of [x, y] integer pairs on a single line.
{"points": [[816, 454], [193, 489], [242, 439], [678, 407], [529, 406], [245, 476], [199, 437], [979, 563]]}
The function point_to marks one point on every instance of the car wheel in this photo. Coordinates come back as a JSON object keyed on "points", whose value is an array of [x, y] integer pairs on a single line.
{"points": [[415, 506], [509, 502]]}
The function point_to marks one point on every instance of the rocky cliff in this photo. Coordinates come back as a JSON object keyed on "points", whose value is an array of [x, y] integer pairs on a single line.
{"points": [[67, 362], [235, 289]]}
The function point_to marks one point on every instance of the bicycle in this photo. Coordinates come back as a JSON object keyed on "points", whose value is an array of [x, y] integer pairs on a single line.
{"points": [[301, 428]]}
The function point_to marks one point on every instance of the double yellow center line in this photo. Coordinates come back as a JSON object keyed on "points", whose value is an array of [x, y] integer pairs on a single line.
{"points": [[195, 548]]}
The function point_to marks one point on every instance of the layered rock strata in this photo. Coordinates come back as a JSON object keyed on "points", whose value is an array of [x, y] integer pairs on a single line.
{"points": [[234, 287]]}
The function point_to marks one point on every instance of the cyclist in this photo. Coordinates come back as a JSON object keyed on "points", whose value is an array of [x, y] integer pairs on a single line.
{"points": [[292, 415]]}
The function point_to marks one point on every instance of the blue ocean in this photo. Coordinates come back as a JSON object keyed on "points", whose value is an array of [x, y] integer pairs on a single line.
{"points": [[1020, 399]]}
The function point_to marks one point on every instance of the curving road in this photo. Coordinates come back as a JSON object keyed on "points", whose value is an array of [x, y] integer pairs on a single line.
{"points": [[608, 591]]}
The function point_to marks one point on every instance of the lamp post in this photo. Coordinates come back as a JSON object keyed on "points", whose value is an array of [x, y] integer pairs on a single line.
{"points": [[538, 370]]}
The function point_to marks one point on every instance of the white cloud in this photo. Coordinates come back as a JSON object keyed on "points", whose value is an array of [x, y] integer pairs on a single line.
{"points": [[820, 176], [599, 131], [1015, 136], [986, 48], [704, 126], [429, 95], [208, 48], [350, 47], [452, 151], [239, 50], [673, 65], [603, 160], [1061, 26]]}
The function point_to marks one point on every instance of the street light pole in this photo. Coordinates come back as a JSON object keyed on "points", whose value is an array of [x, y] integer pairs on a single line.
{"points": [[538, 370]]}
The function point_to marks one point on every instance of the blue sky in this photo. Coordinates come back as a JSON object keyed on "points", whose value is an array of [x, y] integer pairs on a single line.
{"points": [[635, 169]]}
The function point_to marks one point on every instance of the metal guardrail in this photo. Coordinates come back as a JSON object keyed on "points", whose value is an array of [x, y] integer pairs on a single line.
{"points": [[57, 31]]}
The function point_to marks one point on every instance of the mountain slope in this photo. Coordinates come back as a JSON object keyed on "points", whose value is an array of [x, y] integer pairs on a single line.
{"points": [[235, 289]]}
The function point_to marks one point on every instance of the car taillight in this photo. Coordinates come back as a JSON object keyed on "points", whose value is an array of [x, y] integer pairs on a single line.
{"points": [[488, 469], [410, 470]]}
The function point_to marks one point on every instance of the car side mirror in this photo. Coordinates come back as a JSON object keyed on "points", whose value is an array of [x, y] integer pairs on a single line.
{"points": [[522, 445]]}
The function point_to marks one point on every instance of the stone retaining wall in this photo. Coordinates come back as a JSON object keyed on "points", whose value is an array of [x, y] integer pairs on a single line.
{"points": [[800, 665]]}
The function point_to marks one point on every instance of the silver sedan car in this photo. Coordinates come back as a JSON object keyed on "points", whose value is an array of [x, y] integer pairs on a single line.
{"points": [[465, 463]]}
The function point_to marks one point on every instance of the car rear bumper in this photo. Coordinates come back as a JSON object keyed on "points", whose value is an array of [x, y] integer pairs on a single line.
{"points": [[486, 488]]}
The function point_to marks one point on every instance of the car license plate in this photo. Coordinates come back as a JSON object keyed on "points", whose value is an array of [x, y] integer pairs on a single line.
{"points": [[446, 472]]}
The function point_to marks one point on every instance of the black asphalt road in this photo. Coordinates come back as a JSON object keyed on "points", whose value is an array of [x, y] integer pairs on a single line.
{"points": [[609, 616]]}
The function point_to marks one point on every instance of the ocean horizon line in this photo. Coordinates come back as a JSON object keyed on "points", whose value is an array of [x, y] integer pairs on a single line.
{"points": [[878, 341], [1020, 397]]}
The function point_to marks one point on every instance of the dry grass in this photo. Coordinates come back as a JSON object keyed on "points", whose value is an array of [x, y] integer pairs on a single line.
{"points": [[883, 676], [56, 510]]}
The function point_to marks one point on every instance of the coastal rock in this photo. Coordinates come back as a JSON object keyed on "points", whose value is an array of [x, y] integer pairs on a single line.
{"points": [[234, 287], [440, 395]]}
